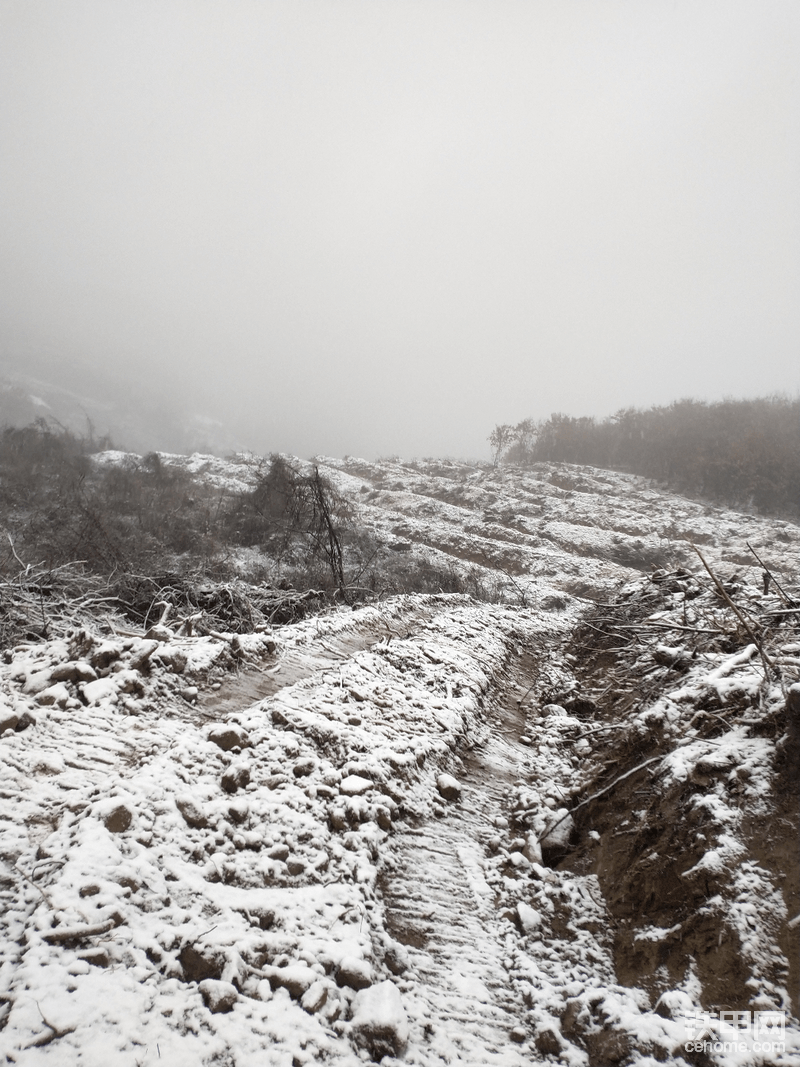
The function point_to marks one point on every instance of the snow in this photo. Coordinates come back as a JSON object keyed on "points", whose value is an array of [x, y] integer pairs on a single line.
{"points": [[208, 875]]}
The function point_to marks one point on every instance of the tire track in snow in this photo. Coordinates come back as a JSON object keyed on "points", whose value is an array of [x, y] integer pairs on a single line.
{"points": [[440, 906]]}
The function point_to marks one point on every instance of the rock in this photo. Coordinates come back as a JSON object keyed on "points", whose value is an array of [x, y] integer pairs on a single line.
{"points": [[607, 1047], [75, 671], [191, 812], [448, 787], [190, 694], [199, 964], [354, 785], [8, 720], [562, 826], [238, 811], [304, 767], [102, 689], [236, 777], [54, 694], [159, 634], [174, 658], [674, 1004], [228, 737], [314, 997], [354, 973], [296, 978], [528, 918], [547, 1042], [24, 721], [518, 861], [279, 852], [337, 819], [118, 819], [218, 996], [295, 865], [396, 959], [532, 850], [518, 1035], [380, 1025], [383, 817], [141, 653], [36, 682]]}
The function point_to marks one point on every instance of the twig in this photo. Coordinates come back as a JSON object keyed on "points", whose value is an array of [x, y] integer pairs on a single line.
{"points": [[594, 796], [45, 1039], [75, 933], [721, 590], [786, 599]]}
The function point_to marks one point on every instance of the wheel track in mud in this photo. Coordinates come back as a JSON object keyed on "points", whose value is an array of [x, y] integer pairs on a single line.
{"points": [[439, 905]]}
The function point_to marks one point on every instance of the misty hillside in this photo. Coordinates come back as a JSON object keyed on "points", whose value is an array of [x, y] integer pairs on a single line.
{"points": [[411, 762], [740, 452], [107, 407]]}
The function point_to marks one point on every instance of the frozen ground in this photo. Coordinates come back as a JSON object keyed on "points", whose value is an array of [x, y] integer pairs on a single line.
{"points": [[432, 830]]}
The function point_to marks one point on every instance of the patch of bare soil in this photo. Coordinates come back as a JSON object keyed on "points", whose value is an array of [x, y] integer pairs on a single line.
{"points": [[674, 913]]}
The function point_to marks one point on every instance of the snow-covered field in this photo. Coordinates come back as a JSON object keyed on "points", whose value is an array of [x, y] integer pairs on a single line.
{"points": [[547, 829]]}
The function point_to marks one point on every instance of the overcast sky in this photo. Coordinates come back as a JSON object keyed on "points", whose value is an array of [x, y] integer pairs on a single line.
{"points": [[385, 226]]}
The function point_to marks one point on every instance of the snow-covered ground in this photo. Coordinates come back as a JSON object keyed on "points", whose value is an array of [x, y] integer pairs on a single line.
{"points": [[432, 830]]}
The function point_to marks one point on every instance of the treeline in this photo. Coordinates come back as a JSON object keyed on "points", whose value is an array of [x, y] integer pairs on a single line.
{"points": [[740, 452], [145, 524]]}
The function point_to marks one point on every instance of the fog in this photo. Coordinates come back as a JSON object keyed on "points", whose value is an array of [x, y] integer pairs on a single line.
{"points": [[376, 228]]}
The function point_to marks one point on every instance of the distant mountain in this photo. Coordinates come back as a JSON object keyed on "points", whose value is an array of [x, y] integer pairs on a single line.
{"points": [[134, 417]]}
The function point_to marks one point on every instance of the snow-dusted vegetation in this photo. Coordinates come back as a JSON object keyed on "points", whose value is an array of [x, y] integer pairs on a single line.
{"points": [[519, 786]]}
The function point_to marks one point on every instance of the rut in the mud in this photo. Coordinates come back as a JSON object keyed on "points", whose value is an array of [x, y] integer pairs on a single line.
{"points": [[439, 905]]}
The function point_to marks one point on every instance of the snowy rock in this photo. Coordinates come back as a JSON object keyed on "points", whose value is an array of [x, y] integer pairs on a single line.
{"points": [[548, 1042], [218, 996], [674, 1004], [379, 1021], [228, 737], [76, 671], [396, 959], [448, 787], [354, 972], [337, 819], [141, 653], [532, 850], [295, 865], [25, 720], [562, 826], [118, 819], [102, 689], [296, 979], [236, 777], [517, 860], [104, 655], [529, 918], [314, 997], [354, 785], [8, 720], [200, 963], [238, 811], [304, 767], [36, 682], [54, 694], [191, 812], [159, 634]]}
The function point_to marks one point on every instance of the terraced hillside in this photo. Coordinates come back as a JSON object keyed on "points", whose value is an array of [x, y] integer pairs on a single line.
{"points": [[548, 825]]}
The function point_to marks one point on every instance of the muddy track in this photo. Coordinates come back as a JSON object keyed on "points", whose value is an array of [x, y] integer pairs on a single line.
{"points": [[439, 905]]}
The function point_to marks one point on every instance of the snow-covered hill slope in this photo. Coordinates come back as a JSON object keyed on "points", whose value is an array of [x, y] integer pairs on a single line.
{"points": [[552, 828]]}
